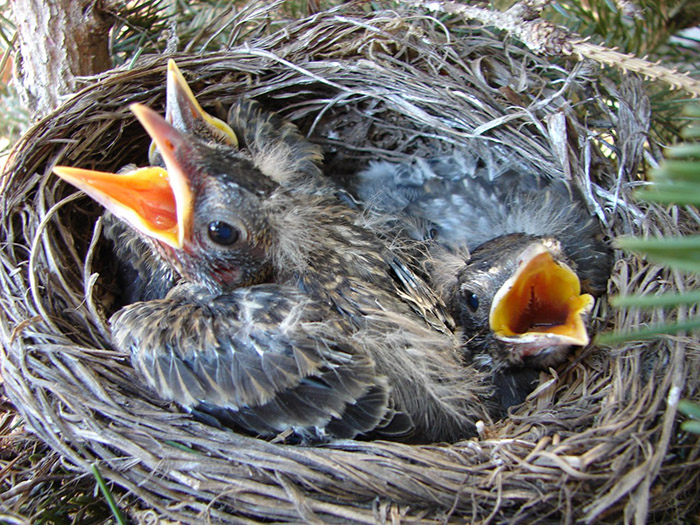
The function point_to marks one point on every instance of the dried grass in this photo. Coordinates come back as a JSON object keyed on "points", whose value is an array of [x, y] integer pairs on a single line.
{"points": [[597, 441]]}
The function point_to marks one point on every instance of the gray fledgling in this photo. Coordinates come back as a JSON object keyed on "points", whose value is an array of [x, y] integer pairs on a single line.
{"points": [[509, 254]]}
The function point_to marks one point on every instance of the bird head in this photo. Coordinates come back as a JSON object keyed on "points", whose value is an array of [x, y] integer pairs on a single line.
{"points": [[521, 301], [203, 213], [184, 112]]}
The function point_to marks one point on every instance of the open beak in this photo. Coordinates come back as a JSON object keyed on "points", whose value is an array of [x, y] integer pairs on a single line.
{"points": [[155, 201], [184, 112], [541, 305]]}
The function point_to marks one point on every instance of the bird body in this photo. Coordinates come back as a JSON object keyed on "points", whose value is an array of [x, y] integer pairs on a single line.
{"points": [[341, 288], [261, 358], [288, 314], [462, 205], [509, 253]]}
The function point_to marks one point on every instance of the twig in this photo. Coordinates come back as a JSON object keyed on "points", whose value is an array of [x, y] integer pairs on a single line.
{"points": [[627, 62]]}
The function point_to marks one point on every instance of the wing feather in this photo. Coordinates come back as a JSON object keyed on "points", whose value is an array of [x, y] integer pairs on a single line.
{"points": [[259, 358]]}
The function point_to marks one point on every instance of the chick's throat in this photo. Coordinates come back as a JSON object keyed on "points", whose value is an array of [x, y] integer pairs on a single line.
{"points": [[542, 300]]}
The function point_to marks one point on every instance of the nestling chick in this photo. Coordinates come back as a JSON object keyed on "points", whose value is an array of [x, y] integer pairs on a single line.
{"points": [[510, 256], [142, 275], [288, 316], [279, 151]]}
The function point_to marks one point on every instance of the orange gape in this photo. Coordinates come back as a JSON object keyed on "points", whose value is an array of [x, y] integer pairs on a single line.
{"points": [[143, 195], [544, 297]]}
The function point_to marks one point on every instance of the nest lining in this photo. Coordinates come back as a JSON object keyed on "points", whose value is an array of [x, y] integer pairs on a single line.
{"points": [[596, 441]]}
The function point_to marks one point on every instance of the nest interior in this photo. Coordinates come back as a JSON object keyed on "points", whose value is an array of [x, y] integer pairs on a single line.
{"points": [[597, 440]]}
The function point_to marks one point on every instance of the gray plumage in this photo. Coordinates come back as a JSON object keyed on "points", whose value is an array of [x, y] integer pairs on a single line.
{"points": [[455, 201], [477, 226]]}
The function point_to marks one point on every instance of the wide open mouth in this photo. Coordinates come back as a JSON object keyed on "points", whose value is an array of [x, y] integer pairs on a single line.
{"points": [[142, 197], [157, 202], [541, 304]]}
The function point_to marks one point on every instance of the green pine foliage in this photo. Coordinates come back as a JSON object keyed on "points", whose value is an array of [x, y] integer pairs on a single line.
{"points": [[639, 27], [692, 410], [193, 26], [157, 26], [675, 181], [643, 28]]}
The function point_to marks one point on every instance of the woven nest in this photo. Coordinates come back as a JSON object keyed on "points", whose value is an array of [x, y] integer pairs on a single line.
{"points": [[597, 440]]}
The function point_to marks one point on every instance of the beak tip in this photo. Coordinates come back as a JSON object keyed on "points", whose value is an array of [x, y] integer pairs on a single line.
{"points": [[66, 173], [139, 111], [136, 108], [152, 122]]}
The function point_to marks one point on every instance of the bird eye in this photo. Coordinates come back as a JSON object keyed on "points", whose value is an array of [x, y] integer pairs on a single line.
{"points": [[433, 234], [472, 300], [223, 233]]}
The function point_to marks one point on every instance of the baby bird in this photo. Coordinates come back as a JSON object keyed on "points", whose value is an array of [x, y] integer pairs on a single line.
{"points": [[276, 146], [288, 315], [509, 255], [141, 274]]}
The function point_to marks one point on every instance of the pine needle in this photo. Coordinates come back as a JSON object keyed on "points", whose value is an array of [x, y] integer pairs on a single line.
{"points": [[108, 496], [655, 301], [614, 338]]}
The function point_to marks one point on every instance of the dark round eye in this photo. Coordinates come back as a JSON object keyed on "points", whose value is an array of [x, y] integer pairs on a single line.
{"points": [[432, 234], [223, 233], [472, 300]]}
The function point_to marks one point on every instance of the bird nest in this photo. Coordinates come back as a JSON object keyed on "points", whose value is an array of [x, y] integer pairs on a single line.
{"points": [[598, 439]]}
